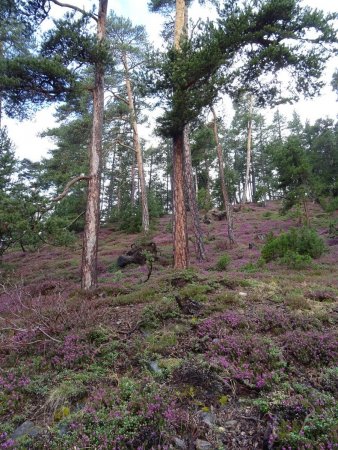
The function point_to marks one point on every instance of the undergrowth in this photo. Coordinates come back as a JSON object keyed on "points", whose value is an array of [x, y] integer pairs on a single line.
{"points": [[191, 358]]}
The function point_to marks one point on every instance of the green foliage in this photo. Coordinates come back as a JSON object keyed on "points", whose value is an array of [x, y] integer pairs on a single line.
{"points": [[195, 291], [332, 206], [223, 262], [155, 315], [333, 228], [302, 241], [204, 200], [127, 388], [74, 387], [7, 160], [294, 260], [130, 219], [161, 341]]}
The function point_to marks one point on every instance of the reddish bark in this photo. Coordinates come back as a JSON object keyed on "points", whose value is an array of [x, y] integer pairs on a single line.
{"points": [[92, 222], [181, 253]]}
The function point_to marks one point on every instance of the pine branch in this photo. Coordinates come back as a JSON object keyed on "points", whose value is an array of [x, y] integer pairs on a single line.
{"points": [[75, 8], [68, 186]]}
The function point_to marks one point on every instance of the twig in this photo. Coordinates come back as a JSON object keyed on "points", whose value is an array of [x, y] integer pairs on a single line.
{"points": [[50, 337]]}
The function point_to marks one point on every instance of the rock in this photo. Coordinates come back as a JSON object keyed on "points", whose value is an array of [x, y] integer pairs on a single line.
{"points": [[154, 367], [231, 423], [188, 305], [202, 445], [179, 443], [208, 418], [26, 429], [243, 294]]}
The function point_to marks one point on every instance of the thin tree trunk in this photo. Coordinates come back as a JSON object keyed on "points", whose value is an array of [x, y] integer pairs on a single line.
{"points": [[137, 148], [220, 160], [248, 153], [227, 205], [111, 186], [253, 178], [180, 234], [199, 245], [150, 172], [92, 222], [133, 187]]}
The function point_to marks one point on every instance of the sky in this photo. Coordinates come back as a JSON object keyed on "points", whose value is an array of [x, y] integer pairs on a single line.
{"points": [[25, 134]]}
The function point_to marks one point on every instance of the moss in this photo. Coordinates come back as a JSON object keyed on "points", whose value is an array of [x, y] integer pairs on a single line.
{"points": [[297, 301], [170, 364], [195, 291], [160, 342]]}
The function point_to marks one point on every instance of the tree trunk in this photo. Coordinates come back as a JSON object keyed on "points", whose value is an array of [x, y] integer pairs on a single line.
{"points": [[132, 188], [227, 205], [220, 160], [248, 153], [180, 234], [199, 245], [111, 186], [150, 172], [137, 148], [253, 178], [92, 222]]}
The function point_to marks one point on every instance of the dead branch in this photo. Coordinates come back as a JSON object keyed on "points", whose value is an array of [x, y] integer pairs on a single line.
{"points": [[75, 8], [124, 145], [68, 186]]}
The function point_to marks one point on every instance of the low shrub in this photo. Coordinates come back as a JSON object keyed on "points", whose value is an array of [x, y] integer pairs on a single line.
{"points": [[299, 241], [294, 260], [223, 262]]}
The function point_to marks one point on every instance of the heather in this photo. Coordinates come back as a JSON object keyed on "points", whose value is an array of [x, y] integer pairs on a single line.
{"points": [[238, 354]]}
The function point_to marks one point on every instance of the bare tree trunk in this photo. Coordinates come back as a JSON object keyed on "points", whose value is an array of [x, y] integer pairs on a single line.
{"points": [[111, 186], [180, 233], [220, 160], [199, 245], [248, 152], [92, 221], [137, 148], [133, 188], [227, 205], [150, 172], [253, 178]]}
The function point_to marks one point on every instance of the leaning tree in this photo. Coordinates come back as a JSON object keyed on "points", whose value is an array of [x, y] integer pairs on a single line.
{"points": [[243, 50]]}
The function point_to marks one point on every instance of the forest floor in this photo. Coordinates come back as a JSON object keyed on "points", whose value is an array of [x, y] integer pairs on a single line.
{"points": [[240, 358]]}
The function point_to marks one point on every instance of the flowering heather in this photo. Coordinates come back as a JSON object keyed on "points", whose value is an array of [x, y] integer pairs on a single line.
{"points": [[71, 352], [248, 369], [311, 348]]}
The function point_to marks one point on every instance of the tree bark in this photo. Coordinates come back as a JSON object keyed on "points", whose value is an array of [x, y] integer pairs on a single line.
{"points": [[227, 205], [180, 234], [248, 153], [199, 244], [92, 222], [137, 147]]}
